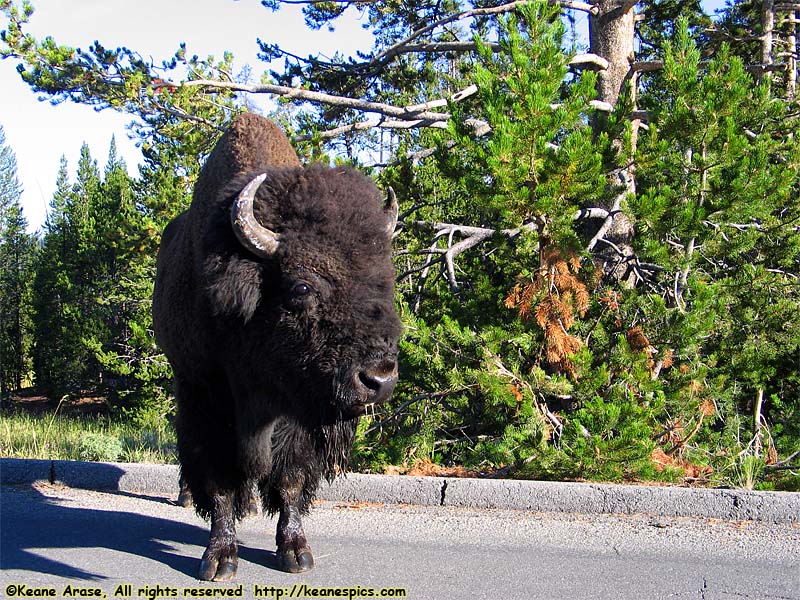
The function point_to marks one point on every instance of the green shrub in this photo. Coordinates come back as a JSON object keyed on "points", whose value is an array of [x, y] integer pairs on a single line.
{"points": [[99, 447]]}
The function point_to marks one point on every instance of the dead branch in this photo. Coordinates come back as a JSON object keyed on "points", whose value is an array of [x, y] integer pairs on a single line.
{"points": [[440, 122], [615, 209], [739, 227], [657, 65], [472, 236], [588, 60], [296, 93], [381, 122], [392, 117], [401, 47], [432, 47], [591, 213], [399, 411]]}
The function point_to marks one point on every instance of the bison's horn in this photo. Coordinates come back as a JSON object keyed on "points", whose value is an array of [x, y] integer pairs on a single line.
{"points": [[250, 233], [391, 209]]}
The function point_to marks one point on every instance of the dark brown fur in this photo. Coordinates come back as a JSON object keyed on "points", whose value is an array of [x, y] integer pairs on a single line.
{"points": [[269, 381]]}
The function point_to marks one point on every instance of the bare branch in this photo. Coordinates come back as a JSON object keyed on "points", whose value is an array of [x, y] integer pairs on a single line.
{"points": [[440, 122], [458, 96], [600, 235], [401, 47], [614, 247], [589, 59], [591, 213], [182, 114], [381, 122], [472, 236], [430, 47], [647, 65], [302, 94], [601, 106], [656, 65]]}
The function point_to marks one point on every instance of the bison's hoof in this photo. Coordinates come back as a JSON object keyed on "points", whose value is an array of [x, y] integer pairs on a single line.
{"points": [[185, 499], [218, 568], [296, 560]]}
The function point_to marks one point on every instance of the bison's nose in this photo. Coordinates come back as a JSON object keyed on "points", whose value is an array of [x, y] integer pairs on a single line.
{"points": [[378, 381]]}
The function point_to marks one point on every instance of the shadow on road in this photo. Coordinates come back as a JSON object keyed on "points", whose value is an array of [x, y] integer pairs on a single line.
{"points": [[32, 524]]}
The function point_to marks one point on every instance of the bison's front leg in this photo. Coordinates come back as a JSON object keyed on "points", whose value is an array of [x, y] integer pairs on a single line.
{"points": [[294, 553], [221, 558]]}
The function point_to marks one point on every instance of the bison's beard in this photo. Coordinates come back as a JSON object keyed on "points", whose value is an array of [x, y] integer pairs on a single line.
{"points": [[325, 426], [336, 431], [318, 431], [333, 443]]}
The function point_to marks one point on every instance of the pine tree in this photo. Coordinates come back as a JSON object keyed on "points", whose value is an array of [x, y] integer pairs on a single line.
{"points": [[716, 209], [16, 252], [92, 292], [66, 315], [53, 355], [10, 187], [136, 374]]}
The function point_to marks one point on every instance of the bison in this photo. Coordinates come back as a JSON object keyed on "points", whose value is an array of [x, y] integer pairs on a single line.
{"points": [[274, 303]]}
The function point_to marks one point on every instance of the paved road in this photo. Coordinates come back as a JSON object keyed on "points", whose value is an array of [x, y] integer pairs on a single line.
{"points": [[54, 536]]}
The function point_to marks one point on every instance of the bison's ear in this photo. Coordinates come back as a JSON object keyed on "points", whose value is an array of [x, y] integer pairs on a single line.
{"points": [[234, 286], [391, 208]]}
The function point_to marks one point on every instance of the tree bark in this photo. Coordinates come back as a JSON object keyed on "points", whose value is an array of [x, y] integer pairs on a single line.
{"points": [[791, 78], [611, 32], [768, 27]]}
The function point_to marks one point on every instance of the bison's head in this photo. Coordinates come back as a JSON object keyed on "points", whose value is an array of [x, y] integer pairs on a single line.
{"points": [[306, 286]]}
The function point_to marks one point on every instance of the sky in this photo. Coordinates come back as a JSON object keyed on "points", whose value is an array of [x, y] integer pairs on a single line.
{"points": [[40, 133]]}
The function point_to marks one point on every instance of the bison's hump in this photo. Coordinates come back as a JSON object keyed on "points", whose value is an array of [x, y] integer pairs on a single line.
{"points": [[251, 143], [254, 143]]}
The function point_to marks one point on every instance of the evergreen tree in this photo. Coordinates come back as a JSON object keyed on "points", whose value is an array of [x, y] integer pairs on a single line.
{"points": [[508, 340], [16, 252], [55, 355], [136, 374], [10, 187], [65, 299], [718, 175], [93, 287]]}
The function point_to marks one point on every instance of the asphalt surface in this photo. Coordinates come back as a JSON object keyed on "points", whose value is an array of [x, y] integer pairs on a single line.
{"points": [[54, 536]]}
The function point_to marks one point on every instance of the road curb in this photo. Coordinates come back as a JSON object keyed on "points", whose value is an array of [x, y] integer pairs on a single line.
{"points": [[537, 496]]}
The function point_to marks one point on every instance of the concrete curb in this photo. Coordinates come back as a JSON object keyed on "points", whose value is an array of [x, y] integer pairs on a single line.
{"points": [[538, 496]]}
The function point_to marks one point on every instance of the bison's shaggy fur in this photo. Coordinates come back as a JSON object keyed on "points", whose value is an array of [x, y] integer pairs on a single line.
{"points": [[275, 355]]}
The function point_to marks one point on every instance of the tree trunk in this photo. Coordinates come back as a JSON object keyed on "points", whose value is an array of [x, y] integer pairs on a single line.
{"points": [[767, 29], [791, 77], [611, 33]]}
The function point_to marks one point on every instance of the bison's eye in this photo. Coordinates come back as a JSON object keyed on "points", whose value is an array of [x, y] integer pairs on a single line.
{"points": [[300, 290]]}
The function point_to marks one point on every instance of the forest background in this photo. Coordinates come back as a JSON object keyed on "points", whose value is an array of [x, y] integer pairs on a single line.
{"points": [[598, 250]]}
